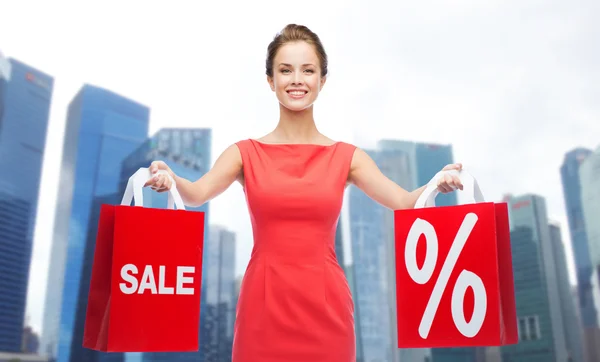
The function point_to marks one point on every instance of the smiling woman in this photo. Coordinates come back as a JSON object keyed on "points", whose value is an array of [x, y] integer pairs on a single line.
{"points": [[300, 61], [294, 303]]}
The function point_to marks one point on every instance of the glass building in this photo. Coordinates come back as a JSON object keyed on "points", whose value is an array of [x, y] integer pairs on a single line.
{"points": [[424, 161], [589, 175], [569, 173], [537, 292], [78, 353], [410, 165], [187, 151], [219, 295], [102, 128], [369, 252], [25, 95], [351, 282], [570, 317]]}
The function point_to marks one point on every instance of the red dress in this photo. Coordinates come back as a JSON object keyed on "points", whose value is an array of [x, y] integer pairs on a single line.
{"points": [[295, 304]]}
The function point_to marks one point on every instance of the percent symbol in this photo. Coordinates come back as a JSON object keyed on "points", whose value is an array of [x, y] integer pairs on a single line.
{"points": [[465, 279]]}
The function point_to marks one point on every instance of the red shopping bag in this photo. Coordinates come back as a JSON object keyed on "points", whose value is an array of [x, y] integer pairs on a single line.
{"points": [[454, 277], [144, 293]]}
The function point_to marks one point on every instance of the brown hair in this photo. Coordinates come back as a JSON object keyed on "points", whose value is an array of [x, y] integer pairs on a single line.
{"points": [[293, 33]]}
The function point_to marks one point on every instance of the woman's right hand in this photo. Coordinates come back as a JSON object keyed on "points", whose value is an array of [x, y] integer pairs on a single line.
{"points": [[160, 182]]}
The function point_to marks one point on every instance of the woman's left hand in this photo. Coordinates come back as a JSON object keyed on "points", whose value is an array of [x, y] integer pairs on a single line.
{"points": [[446, 182]]}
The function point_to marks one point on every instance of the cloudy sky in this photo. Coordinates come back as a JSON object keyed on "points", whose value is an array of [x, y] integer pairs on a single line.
{"points": [[512, 85]]}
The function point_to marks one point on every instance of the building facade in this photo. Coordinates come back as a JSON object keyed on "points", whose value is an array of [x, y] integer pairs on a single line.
{"points": [[569, 313], [102, 129], [187, 151], [25, 96], [539, 308], [369, 256], [219, 295], [589, 175], [571, 184], [410, 165]]}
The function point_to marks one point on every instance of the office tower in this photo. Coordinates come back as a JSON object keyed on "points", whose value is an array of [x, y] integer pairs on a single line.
{"points": [[410, 165], [219, 295], [569, 173], [236, 292], [592, 334], [369, 255], [78, 353], [352, 284], [102, 128], [25, 95], [31, 341], [539, 308], [187, 151], [424, 161], [589, 175], [571, 322]]}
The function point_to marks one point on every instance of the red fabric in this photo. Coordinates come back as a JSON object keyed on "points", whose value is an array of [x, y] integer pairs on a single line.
{"points": [[153, 321], [295, 303], [486, 254]]}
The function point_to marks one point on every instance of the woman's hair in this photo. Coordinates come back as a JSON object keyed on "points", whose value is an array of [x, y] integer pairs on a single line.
{"points": [[294, 33]]}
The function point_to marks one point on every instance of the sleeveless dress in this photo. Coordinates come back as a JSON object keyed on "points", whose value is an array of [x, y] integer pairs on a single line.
{"points": [[295, 304]]}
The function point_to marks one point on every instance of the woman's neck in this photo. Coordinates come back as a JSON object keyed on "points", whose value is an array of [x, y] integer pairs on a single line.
{"points": [[296, 127]]}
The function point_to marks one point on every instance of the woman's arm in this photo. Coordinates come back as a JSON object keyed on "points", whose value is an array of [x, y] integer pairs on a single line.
{"points": [[365, 175], [225, 171]]}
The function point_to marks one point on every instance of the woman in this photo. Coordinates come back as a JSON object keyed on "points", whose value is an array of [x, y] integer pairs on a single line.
{"points": [[295, 304]]}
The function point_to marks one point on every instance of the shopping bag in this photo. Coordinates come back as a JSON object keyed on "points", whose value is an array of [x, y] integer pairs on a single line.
{"points": [[454, 276], [144, 293]]}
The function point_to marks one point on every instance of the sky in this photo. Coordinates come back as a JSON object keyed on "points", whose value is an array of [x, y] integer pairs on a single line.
{"points": [[512, 85]]}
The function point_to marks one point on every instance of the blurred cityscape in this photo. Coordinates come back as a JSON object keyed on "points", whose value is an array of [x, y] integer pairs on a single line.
{"points": [[107, 138]]}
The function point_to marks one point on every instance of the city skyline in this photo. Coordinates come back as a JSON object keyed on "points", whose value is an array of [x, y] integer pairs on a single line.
{"points": [[517, 102], [240, 269], [408, 159]]}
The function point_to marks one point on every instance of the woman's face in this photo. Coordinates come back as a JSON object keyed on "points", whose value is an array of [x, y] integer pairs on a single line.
{"points": [[296, 77]]}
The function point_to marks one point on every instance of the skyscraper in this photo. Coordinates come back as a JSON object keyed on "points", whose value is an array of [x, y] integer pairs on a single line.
{"points": [[539, 306], [589, 175], [424, 161], [219, 295], [410, 165], [187, 151], [369, 255], [395, 165], [78, 353], [351, 282], [102, 128], [25, 95], [571, 321], [571, 183]]}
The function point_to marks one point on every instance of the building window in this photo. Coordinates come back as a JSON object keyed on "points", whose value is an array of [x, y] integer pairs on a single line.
{"points": [[522, 328], [533, 323], [529, 328]]}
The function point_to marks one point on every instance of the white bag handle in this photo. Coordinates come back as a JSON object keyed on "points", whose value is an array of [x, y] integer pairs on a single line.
{"points": [[136, 183], [470, 187]]}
